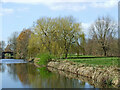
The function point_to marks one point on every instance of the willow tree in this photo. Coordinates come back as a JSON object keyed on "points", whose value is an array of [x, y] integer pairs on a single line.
{"points": [[54, 35], [69, 32], [103, 30], [44, 31], [34, 45]]}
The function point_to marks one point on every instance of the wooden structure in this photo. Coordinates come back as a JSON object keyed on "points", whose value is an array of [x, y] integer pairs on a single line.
{"points": [[3, 54]]}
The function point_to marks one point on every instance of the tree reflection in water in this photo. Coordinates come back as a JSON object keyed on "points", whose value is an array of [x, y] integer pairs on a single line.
{"points": [[34, 77]]}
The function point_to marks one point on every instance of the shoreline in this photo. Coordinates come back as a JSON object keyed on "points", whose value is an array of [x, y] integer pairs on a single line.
{"points": [[109, 75], [106, 75]]}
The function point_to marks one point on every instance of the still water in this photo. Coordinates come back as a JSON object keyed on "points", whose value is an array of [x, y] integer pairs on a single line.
{"points": [[20, 74]]}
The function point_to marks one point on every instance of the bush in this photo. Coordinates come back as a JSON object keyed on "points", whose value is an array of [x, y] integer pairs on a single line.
{"points": [[45, 58]]}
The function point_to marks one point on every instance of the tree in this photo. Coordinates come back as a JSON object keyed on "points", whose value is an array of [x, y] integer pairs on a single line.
{"points": [[103, 30], [81, 44], [114, 48], [69, 32], [22, 43], [55, 35], [93, 48], [2, 47], [45, 29], [34, 45], [44, 37], [8, 48], [13, 42]]}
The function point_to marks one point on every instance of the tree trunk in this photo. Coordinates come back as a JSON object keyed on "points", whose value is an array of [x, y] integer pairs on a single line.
{"points": [[105, 52], [66, 53], [49, 51]]}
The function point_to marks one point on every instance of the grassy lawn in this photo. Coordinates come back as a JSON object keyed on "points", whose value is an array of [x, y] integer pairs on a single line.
{"points": [[104, 61], [80, 56]]}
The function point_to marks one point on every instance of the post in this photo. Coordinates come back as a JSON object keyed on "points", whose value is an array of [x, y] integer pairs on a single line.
{"points": [[11, 55], [3, 55]]}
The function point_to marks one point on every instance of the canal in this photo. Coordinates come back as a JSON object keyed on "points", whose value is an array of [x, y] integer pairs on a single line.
{"points": [[20, 74]]}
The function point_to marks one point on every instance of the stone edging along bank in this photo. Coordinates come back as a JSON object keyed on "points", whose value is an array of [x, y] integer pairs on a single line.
{"points": [[109, 75]]}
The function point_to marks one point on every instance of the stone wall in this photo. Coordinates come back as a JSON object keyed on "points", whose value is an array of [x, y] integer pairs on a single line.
{"points": [[106, 75]]}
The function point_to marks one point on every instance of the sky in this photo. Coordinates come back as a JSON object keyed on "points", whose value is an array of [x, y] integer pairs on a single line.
{"points": [[15, 15]]}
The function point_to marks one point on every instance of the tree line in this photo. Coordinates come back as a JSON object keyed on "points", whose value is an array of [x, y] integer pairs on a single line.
{"points": [[64, 35]]}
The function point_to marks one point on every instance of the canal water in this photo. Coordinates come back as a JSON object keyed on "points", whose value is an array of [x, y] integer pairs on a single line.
{"points": [[20, 74]]}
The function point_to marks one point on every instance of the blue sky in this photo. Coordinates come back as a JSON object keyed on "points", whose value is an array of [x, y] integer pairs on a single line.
{"points": [[18, 14]]}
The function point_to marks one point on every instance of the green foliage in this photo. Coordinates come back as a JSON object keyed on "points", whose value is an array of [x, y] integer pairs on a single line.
{"points": [[44, 58], [56, 36], [7, 56], [62, 36]]}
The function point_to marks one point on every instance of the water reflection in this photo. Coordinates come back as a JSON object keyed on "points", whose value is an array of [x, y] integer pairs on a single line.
{"points": [[26, 75], [83, 81]]}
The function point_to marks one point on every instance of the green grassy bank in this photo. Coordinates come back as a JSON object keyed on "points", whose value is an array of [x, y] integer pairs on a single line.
{"points": [[85, 59], [94, 60]]}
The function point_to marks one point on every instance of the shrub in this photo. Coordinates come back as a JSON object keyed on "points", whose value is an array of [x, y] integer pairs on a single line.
{"points": [[45, 58]]}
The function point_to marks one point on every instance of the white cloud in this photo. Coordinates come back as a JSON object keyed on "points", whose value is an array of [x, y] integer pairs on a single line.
{"points": [[105, 4], [85, 27], [1, 14], [53, 1], [6, 11], [23, 9], [68, 4]]}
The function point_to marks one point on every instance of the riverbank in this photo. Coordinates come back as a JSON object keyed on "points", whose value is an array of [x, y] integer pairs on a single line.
{"points": [[81, 78], [106, 75], [102, 75]]}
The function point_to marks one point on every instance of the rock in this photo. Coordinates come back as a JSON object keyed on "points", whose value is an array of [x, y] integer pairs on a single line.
{"points": [[97, 74], [115, 81]]}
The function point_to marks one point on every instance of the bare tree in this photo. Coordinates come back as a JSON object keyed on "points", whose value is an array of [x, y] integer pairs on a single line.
{"points": [[12, 41], [103, 30], [2, 47]]}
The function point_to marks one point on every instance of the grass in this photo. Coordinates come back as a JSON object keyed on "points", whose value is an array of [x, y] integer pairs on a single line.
{"points": [[80, 56], [103, 61]]}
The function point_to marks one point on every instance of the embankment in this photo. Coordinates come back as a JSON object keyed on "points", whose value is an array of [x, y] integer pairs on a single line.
{"points": [[106, 75]]}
